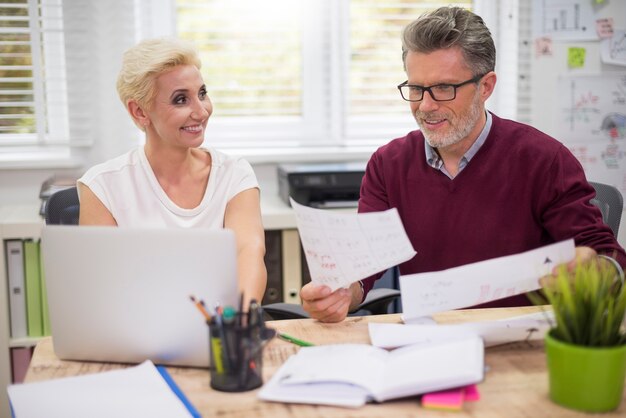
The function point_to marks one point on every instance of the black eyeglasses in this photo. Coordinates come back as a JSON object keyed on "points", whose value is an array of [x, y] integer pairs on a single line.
{"points": [[439, 92]]}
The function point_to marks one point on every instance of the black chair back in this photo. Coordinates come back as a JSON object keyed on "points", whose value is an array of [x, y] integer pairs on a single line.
{"points": [[63, 207], [609, 200]]}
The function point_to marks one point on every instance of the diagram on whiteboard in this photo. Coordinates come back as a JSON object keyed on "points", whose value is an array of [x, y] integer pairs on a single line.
{"points": [[564, 20], [602, 163], [592, 107], [592, 123]]}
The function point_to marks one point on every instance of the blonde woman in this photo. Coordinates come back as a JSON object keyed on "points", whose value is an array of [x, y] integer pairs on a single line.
{"points": [[172, 181]]}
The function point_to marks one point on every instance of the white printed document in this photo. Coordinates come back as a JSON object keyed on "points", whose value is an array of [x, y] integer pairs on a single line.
{"points": [[138, 391], [519, 328], [350, 375], [341, 248], [481, 282]]}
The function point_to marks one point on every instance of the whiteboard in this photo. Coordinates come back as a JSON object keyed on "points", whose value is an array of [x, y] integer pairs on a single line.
{"points": [[591, 122]]}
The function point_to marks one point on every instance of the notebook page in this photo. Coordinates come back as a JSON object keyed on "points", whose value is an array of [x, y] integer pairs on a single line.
{"points": [[414, 370], [325, 393], [356, 364]]}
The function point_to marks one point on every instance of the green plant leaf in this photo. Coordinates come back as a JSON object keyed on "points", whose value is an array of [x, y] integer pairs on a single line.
{"points": [[588, 308]]}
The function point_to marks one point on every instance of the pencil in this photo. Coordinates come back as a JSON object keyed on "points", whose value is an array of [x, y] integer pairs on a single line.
{"points": [[293, 340], [200, 305]]}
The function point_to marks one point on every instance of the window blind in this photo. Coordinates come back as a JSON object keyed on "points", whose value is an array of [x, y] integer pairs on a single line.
{"points": [[375, 52], [373, 107], [331, 67], [255, 65], [281, 73], [32, 100], [250, 53]]}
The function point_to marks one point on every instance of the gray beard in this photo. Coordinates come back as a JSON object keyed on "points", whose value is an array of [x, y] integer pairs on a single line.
{"points": [[465, 123]]}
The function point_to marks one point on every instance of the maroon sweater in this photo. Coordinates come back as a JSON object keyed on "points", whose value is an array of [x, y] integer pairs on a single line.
{"points": [[522, 190]]}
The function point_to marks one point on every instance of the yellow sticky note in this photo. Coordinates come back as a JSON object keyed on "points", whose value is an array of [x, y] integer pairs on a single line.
{"points": [[576, 57]]}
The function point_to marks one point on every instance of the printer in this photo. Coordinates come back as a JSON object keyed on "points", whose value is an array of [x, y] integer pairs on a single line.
{"points": [[330, 185]]}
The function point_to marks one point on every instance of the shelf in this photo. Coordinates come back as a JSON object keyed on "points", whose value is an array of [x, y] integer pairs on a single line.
{"points": [[24, 342]]}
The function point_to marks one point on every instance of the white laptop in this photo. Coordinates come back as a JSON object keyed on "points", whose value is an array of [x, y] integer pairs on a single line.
{"points": [[122, 294]]}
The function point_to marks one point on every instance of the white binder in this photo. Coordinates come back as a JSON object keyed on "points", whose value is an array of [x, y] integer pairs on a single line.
{"points": [[17, 290]]}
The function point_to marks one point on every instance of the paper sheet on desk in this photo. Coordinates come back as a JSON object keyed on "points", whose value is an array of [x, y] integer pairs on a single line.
{"points": [[503, 331], [138, 391], [473, 284], [341, 248]]}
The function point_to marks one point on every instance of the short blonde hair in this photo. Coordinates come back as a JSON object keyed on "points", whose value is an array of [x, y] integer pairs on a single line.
{"points": [[144, 62]]}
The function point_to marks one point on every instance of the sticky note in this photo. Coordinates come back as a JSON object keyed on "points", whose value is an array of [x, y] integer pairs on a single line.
{"points": [[449, 400], [471, 393], [604, 27], [576, 57], [543, 46]]}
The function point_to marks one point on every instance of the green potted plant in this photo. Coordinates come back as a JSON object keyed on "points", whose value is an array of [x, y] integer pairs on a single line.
{"points": [[586, 347]]}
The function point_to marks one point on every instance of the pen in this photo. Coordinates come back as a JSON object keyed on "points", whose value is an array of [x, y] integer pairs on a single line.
{"points": [[293, 340], [221, 328], [232, 343], [200, 305]]}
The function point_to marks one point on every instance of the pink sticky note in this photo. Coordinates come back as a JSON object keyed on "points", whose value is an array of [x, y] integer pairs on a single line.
{"points": [[543, 46], [471, 393], [604, 27], [451, 400]]}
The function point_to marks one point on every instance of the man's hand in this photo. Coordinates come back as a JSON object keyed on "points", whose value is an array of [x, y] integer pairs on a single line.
{"points": [[327, 306], [583, 255]]}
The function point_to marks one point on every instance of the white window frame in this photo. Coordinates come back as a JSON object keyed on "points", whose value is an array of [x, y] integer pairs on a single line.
{"points": [[323, 133], [50, 142]]}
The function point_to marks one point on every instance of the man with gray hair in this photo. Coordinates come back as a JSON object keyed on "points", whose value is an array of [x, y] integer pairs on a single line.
{"points": [[468, 185]]}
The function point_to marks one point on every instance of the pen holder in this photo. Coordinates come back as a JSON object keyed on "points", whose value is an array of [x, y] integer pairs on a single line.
{"points": [[236, 353]]}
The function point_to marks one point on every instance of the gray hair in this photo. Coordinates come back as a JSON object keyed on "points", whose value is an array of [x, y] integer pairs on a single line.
{"points": [[449, 27]]}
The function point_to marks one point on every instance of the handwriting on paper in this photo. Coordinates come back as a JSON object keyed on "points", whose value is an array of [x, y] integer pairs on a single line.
{"points": [[341, 248], [472, 284]]}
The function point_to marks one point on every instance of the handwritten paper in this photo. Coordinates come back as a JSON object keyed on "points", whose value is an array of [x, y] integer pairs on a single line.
{"points": [[613, 48], [484, 281], [341, 248]]}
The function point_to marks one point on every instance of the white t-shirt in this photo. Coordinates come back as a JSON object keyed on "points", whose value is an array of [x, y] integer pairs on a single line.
{"points": [[128, 188]]}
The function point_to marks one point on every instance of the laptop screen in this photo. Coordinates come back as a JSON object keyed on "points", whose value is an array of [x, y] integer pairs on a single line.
{"points": [[122, 294]]}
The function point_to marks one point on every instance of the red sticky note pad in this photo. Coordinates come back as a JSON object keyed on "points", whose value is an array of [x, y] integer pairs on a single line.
{"points": [[449, 400], [471, 393]]}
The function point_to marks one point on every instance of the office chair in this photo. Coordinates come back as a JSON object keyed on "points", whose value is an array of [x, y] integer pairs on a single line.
{"points": [[609, 200], [63, 207], [376, 302]]}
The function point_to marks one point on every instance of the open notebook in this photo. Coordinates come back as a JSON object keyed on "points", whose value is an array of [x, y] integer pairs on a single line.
{"points": [[122, 294], [350, 375]]}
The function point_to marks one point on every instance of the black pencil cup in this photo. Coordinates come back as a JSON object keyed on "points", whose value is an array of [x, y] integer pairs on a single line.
{"points": [[236, 353]]}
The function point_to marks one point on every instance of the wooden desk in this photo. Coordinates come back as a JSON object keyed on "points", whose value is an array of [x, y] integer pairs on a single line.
{"points": [[516, 383]]}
